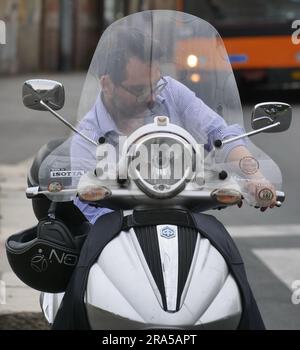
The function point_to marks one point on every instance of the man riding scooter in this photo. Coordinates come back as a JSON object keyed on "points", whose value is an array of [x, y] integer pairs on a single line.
{"points": [[133, 91]]}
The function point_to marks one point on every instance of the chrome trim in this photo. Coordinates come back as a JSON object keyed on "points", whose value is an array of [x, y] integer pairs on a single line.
{"points": [[169, 190], [168, 248], [67, 123], [251, 133]]}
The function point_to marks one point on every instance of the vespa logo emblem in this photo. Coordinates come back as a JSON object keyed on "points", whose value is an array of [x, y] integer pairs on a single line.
{"points": [[167, 232]]}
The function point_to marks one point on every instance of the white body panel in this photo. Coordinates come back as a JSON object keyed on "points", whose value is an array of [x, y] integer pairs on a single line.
{"points": [[121, 292]]}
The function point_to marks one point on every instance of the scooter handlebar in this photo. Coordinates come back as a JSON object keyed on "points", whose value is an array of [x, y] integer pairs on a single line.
{"points": [[280, 197]]}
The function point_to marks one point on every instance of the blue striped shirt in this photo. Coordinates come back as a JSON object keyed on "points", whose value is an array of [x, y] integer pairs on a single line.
{"points": [[176, 101]]}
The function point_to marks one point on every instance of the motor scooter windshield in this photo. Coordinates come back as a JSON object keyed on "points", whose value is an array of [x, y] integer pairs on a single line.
{"points": [[157, 63]]}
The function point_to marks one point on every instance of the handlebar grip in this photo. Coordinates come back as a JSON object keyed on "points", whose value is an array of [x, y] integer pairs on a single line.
{"points": [[280, 197]]}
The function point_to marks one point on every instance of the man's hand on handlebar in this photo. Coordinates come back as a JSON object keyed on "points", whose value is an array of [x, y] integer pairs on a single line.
{"points": [[262, 192]]}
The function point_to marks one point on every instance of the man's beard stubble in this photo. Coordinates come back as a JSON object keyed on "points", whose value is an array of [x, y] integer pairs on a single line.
{"points": [[138, 111]]}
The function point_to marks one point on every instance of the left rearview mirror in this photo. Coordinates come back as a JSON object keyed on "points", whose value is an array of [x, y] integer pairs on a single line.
{"points": [[268, 113], [49, 91]]}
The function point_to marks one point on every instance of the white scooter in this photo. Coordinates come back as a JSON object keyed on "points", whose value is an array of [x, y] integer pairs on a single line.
{"points": [[160, 274]]}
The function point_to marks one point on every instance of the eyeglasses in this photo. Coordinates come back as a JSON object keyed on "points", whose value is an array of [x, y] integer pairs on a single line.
{"points": [[146, 91]]}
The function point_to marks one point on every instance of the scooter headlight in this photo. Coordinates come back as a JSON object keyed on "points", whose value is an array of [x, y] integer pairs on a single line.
{"points": [[161, 164]]}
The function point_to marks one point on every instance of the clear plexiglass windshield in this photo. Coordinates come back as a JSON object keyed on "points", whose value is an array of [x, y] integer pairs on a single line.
{"points": [[156, 63]]}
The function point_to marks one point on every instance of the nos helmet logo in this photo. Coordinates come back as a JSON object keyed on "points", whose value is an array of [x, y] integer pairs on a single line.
{"points": [[167, 232], [39, 263]]}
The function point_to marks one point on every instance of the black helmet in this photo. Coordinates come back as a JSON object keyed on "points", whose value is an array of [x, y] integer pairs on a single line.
{"points": [[44, 256]]}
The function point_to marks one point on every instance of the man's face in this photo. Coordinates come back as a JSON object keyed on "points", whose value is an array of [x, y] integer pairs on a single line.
{"points": [[133, 96]]}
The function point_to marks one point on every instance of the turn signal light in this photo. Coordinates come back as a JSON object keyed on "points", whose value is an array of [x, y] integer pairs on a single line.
{"points": [[93, 193], [227, 196]]}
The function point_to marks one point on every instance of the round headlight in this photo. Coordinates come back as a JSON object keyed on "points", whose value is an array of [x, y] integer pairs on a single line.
{"points": [[161, 164]]}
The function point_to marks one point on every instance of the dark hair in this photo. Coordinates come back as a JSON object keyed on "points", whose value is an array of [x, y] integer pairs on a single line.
{"points": [[120, 46]]}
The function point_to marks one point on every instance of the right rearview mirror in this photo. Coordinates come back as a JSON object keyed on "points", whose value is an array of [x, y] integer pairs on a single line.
{"points": [[268, 113], [49, 91]]}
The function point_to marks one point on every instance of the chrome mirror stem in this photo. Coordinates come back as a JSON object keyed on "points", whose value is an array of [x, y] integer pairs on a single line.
{"points": [[67, 123]]}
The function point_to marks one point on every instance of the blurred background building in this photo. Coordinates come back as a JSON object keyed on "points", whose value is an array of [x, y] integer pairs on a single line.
{"points": [[61, 35], [53, 35]]}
